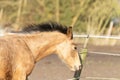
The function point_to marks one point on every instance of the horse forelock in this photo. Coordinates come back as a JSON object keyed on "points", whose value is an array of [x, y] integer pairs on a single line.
{"points": [[45, 27]]}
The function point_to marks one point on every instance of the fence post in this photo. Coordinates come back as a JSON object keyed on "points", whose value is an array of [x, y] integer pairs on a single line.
{"points": [[109, 31]]}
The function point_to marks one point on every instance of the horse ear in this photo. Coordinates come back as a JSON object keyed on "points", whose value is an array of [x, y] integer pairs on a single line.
{"points": [[69, 33]]}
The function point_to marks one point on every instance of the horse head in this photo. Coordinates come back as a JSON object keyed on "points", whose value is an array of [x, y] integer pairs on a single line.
{"points": [[68, 52]]}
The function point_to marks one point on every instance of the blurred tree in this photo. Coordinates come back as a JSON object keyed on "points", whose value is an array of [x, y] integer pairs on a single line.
{"points": [[87, 16]]}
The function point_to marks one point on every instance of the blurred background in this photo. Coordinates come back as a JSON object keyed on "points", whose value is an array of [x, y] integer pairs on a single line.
{"points": [[94, 17], [97, 17]]}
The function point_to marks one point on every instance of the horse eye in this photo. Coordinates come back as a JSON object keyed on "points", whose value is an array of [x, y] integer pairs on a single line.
{"points": [[75, 47]]}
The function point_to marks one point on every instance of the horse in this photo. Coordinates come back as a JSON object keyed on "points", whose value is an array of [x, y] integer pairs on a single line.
{"points": [[19, 51]]}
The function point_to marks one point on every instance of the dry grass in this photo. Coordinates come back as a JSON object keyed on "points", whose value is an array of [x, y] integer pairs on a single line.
{"points": [[16, 13]]}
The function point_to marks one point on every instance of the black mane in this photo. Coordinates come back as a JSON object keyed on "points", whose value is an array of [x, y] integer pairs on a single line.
{"points": [[45, 27]]}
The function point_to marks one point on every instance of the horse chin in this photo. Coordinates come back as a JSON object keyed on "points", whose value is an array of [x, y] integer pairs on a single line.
{"points": [[72, 68], [75, 68]]}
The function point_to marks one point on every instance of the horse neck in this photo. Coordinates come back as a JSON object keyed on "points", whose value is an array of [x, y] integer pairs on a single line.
{"points": [[44, 44]]}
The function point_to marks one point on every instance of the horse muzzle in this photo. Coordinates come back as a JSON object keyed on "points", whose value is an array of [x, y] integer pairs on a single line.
{"points": [[78, 67]]}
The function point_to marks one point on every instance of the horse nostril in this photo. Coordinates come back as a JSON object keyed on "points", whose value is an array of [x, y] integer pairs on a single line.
{"points": [[78, 67]]}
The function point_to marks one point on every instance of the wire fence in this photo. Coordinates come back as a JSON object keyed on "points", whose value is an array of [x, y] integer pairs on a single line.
{"points": [[99, 53], [97, 36], [100, 37]]}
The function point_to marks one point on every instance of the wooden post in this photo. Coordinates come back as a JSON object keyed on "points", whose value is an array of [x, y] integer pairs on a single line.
{"points": [[57, 11], [109, 31], [1, 15]]}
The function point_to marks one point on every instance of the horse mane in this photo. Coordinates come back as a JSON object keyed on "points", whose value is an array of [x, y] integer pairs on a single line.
{"points": [[45, 27]]}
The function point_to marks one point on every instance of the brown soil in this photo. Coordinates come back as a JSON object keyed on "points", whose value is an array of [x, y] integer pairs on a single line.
{"points": [[96, 67]]}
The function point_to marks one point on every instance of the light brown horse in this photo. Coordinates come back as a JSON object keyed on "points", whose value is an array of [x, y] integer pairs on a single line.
{"points": [[20, 51]]}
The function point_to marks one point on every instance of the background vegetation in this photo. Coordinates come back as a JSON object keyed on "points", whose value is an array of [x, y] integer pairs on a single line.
{"points": [[86, 16]]}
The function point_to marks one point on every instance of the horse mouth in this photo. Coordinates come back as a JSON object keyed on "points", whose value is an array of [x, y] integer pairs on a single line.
{"points": [[75, 68], [72, 69]]}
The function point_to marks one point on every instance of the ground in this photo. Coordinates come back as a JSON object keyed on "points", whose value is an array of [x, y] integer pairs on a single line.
{"points": [[96, 66]]}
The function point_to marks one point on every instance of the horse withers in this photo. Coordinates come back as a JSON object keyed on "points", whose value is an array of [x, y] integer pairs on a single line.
{"points": [[19, 51]]}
